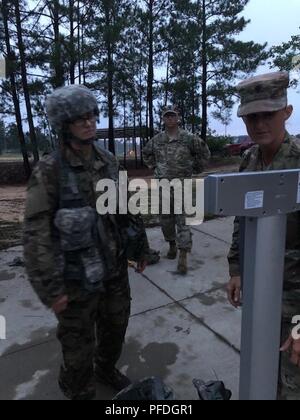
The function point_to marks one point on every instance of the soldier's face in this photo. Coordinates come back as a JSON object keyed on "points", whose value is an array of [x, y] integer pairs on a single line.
{"points": [[84, 127], [267, 128], [171, 120]]}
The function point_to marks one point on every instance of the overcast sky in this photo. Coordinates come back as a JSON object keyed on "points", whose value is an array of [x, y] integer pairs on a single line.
{"points": [[272, 21]]}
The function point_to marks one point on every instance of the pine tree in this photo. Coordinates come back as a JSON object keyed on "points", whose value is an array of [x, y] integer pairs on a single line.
{"points": [[154, 15], [182, 84], [106, 34], [11, 86], [23, 61], [137, 56], [223, 57]]}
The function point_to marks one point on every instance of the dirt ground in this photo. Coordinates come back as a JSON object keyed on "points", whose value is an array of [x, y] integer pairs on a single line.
{"points": [[12, 205]]}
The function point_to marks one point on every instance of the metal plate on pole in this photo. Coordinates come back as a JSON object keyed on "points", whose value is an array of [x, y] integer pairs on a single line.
{"points": [[253, 194], [262, 200]]}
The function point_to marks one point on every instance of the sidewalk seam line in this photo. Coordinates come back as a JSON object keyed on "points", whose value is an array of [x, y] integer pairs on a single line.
{"points": [[214, 289], [211, 236], [25, 348]]}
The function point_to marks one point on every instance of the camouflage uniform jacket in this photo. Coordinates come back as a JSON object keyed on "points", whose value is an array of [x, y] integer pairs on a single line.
{"points": [[176, 158], [288, 157], [43, 257]]}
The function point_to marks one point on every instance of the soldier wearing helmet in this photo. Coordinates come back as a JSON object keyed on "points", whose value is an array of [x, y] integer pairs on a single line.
{"points": [[76, 259], [71, 106]]}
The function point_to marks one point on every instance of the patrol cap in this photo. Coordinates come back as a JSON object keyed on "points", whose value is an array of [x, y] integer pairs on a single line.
{"points": [[264, 93], [170, 110]]}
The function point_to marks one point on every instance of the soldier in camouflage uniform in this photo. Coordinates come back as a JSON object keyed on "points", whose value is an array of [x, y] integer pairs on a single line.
{"points": [[76, 259], [176, 154], [264, 109]]}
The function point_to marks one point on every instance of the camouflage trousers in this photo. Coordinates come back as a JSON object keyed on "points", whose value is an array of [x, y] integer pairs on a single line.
{"points": [[92, 331], [289, 380], [175, 229]]}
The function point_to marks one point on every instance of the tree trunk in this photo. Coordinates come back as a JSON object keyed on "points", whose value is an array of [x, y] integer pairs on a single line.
{"points": [[134, 134], [183, 114], [151, 69], [15, 97], [124, 128], [79, 42], [204, 73], [194, 101], [21, 47], [147, 124], [110, 78], [167, 80], [58, 79], [140, 113], [83, 57], [72, 50], [141, 95]]}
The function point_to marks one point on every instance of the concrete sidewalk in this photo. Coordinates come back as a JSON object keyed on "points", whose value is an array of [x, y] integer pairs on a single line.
{"points": [[180, 328]]}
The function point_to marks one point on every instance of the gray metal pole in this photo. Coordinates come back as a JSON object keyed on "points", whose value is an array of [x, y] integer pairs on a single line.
{"points": [[262, 306]]}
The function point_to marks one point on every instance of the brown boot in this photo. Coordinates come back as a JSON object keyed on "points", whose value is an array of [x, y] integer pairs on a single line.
{"points": [[182, 263], [172, 254]]}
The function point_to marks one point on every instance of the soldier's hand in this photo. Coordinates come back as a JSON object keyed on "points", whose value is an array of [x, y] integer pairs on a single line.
{"points": [[292, 346], [234, 291], [60, 304], [141, 266]]}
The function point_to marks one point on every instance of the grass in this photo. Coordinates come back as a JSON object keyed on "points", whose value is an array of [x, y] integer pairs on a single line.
{"points": [[11, 157]]}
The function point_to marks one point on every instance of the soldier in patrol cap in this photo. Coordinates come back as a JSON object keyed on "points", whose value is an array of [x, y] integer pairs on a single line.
{"points": [[265, 111], [176, 154], [76, 259]]}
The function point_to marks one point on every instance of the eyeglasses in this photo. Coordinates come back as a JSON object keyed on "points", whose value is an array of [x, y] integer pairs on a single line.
{"points": [[82, 121]]}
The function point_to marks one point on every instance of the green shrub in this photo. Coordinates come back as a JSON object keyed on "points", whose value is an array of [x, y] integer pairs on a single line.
{"points": [[216, 144]]}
